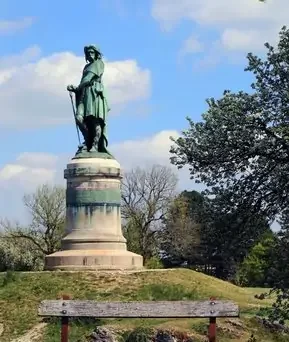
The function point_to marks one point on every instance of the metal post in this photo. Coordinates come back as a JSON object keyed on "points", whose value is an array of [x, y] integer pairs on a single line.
{"points": [[64, 324], [212, 330], [212, 326]]}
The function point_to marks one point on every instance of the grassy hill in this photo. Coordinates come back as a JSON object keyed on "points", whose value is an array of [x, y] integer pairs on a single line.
{"points": [[21, 293]]}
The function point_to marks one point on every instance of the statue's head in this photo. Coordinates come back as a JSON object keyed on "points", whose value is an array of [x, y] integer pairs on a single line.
{"points": [[92, 53]]}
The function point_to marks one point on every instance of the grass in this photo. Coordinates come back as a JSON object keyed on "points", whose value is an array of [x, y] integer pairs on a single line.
{"points": [[21, 293]]}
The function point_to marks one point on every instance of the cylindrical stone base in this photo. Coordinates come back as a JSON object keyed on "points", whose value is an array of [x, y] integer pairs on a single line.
{"points": [[94, 238]]}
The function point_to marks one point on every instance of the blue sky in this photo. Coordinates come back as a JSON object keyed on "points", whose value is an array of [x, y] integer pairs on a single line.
{"points": [[180, 52]]}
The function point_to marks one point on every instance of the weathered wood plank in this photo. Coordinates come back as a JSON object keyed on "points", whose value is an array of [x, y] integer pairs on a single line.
{"points": [[169, 309]]}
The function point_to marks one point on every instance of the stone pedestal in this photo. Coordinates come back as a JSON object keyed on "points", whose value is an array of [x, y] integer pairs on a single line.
{"points": [[94, 237]]}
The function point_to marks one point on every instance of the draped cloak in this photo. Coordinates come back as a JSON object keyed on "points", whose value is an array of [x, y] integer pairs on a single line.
{"points": [[93, 98]]}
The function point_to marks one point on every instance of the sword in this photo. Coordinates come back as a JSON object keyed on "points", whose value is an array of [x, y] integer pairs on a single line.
{"points": [[74, 113]]}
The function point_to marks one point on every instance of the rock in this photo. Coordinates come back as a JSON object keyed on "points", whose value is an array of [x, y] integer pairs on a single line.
{"points": [[102, 334], [164, 336], [235, 322], [1, 328]]}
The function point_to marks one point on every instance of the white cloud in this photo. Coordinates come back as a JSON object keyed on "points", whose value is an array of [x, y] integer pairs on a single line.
{"points": [[243, 40], [33, 93], [242, 25], [149, 150], [28, 171], [14, 26], [32, 169], [191, 45]]}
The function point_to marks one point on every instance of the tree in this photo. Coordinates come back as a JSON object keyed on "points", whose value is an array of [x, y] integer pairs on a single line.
{"points": [[19, 255], [209, 237], [278, 275], [180, 235], [146, 195], [241, 148], [229, 236], [255, 269], [47, 208]]}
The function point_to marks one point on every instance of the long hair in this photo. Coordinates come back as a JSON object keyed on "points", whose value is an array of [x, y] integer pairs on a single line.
{"points": [[97, 51]]}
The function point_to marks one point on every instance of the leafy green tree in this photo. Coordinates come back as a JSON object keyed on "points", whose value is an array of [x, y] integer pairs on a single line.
{"points": [[256, 267], [180, 235], [197, 231], [240, 149], [230, 235], [132, 233]]}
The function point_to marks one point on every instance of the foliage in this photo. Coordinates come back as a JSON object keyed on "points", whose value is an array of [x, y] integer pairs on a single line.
{"points": [[138, 335], [255, 269], [132, 233], [180, 234], [279, 276], [47, 209], [200, 234], [154, 263], [241, 148], [146, 194], [19, 255]]}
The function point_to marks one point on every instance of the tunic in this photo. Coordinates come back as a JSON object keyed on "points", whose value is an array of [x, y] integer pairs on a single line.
{"points": [[92, 96]]}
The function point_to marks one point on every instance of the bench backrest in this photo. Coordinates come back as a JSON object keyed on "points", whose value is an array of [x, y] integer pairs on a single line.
{"points": [[159, 309]]}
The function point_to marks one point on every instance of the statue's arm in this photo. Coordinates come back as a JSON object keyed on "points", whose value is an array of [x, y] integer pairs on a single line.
{"points": [[99, 70], [86, 80]]}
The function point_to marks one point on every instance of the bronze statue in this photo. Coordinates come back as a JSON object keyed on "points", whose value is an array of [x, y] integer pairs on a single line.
{"points": [[91, 103]]}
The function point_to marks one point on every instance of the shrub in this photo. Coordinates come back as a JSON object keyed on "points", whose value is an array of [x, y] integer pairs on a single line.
{"points": [[154, 263], [19, 255]]}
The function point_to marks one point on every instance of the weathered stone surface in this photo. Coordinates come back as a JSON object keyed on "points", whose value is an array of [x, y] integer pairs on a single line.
{"points": [[84, 260], [102, 334], [94, 238], [164, 336]]}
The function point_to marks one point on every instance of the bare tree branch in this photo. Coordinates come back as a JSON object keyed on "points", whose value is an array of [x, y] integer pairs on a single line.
{"points": [[146, 195], [47, 209]]}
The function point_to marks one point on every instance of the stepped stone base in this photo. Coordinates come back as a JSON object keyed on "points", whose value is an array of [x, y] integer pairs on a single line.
{"points": [[94, 239], [81, 260]]}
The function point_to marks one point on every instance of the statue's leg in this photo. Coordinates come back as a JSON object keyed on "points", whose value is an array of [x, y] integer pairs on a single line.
{"points": [[98, 131], [102, 140], [94, 132]]}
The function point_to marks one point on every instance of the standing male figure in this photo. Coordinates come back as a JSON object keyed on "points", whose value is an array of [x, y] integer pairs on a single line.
{"points": [[91, 103]]}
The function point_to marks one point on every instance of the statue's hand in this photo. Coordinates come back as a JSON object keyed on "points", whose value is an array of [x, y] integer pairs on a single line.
{"points": [[71, 87]]}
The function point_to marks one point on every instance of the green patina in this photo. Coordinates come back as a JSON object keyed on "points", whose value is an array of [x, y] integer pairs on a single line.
{"points": [[90, 208], [93, 196], [91, 106], [93, 154], [91, 171]]}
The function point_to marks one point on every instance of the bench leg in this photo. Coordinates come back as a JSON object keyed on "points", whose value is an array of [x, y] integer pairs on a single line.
{"points": [[212, 330], [64, 329], [64, 324]]}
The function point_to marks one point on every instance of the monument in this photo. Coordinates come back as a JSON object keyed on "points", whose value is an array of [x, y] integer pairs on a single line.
{"points": [[94, 238]]}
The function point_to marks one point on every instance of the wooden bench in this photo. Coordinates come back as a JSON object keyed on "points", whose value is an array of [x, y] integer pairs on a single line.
{"points": [[66, 308]]}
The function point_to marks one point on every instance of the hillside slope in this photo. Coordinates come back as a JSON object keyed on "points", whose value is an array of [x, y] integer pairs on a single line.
{"points": [[21, 293]]}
